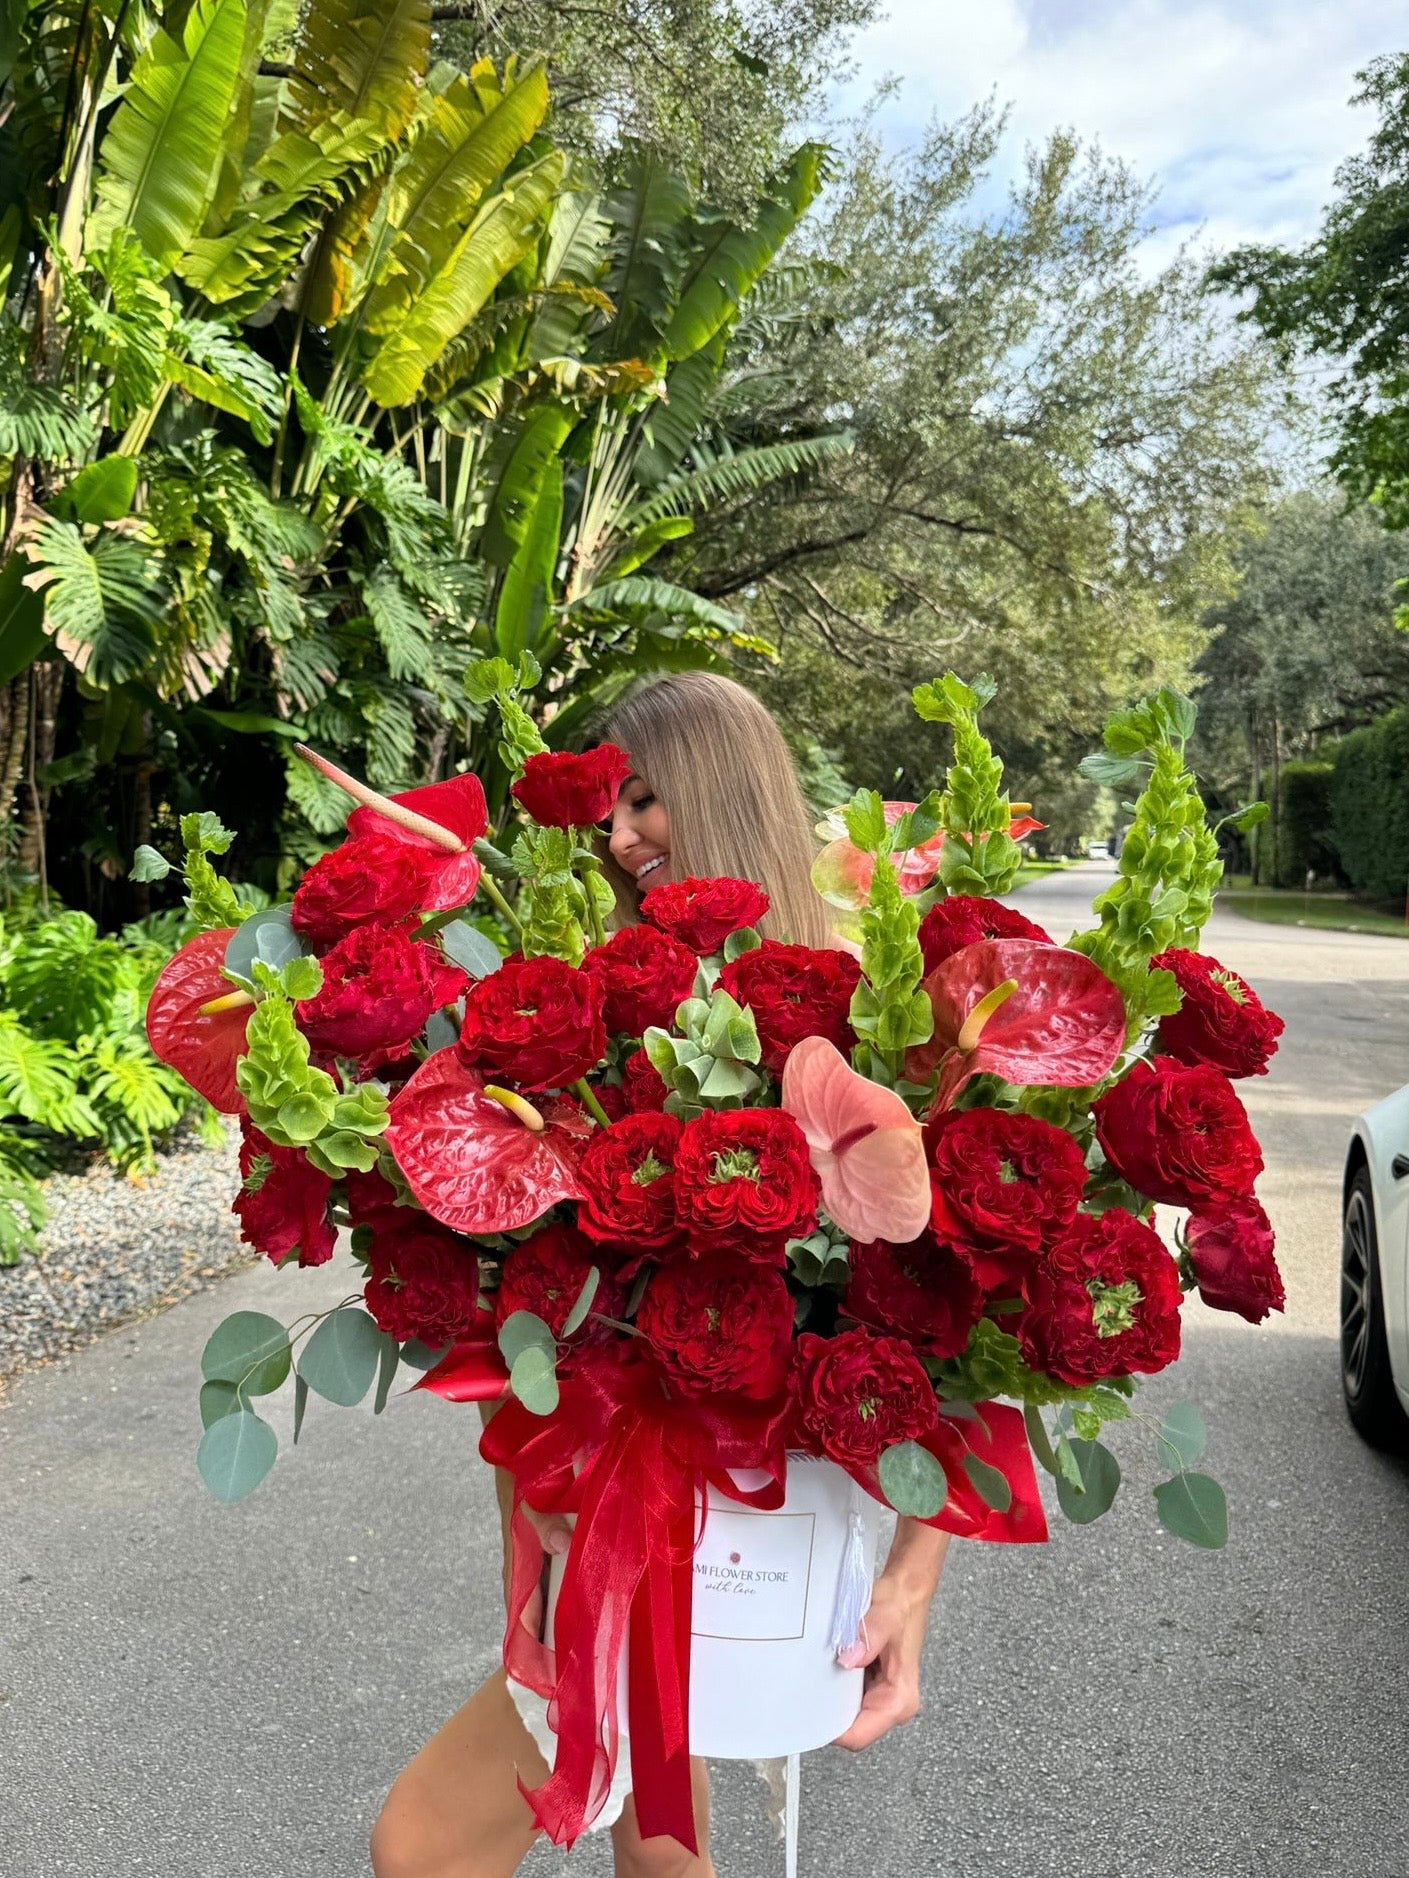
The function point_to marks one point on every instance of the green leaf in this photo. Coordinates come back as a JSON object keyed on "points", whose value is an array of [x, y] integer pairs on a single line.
{"points": [[1113, 772], [1066, 1462], [340, 1358], [248, 1348], [301, 978], [991, 1486], [415, 1355], [737, 943], [300, 1404], [533, 1379], [470, 949], [148, 865], [268, 936], [1193, 1507], [865, 819], [101, 492], [235, 1454], [1183, 1436], [217, 1399], [527, 590], [1039, 1440], [390, 1357], [522, 1330], [1100, 1481], [1250, 817], [577, 1316], [913, 1480]]}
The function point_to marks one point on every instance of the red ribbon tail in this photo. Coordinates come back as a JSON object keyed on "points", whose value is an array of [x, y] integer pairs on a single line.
{"points": [[659, 1679]]}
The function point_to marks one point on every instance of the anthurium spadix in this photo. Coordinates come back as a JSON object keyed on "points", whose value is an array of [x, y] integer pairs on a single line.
{"points": [[864, 1143], [1028, 1012]]}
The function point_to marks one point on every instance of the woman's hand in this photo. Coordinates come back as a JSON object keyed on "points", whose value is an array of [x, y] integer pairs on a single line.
{"points": [[893, 1634], [555, 1536]]}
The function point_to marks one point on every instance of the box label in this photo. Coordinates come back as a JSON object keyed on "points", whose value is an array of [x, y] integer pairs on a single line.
{"points": [[753, 1576]]}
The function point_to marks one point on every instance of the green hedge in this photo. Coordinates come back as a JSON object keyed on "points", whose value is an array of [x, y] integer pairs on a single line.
{"points": [[1370, 807], [1304, 838]]}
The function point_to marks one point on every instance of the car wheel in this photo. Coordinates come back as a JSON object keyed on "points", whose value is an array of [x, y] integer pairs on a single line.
{"points": [[1366, 1378]]}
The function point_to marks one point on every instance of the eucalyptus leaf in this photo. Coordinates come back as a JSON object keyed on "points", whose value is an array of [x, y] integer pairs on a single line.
{"points": [[387, 1365], [268, 936], [533, 1379], [1039, 1440], [248, 1348], [1183, 1436], [300, 1404], [340, 1358], [415, 1355], [991, 1486], [235, 1454], [217, 1399], [1100, 1481], [522, 1330], [913, 1480], [1193, 1507], [577, 1316], [470, 949], [737, 943]]}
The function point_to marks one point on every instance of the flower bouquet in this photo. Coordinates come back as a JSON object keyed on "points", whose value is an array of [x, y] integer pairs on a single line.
{"points": [[685, 1201]]}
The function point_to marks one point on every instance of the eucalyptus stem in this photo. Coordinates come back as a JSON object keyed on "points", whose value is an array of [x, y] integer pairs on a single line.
{"points": [[590, 1103]]}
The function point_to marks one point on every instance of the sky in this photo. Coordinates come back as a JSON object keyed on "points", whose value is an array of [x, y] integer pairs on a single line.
{"points": [[1237, 109]]}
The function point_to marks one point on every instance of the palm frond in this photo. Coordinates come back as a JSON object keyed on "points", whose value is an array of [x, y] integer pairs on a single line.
{"points": [[401, 627], [727, 475]]}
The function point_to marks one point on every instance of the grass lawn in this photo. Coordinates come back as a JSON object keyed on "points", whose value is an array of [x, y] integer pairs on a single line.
{"points": [[1288, 906], [1037, 870]]}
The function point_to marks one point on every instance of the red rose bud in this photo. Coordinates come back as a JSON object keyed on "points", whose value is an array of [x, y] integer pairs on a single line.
{"points": [[1002, 1184], [560, 790], [1103, 1301], [1222, 1020], [1178, 1133], [965, 918], [644, 976], [1231, 1252], [922, 1291], [744, 1182], [794, 992], [627, 1175], [379, 987], [545, 1275], [702, 913], [719, 1323], [423, 1281], [357, 884], [858, 1394], [282, 1205], [537, 1023], [642, 1085]]}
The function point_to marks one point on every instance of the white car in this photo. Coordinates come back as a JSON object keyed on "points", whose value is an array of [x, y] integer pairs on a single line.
{"points": [[1098, 850], [1375, 1274]]}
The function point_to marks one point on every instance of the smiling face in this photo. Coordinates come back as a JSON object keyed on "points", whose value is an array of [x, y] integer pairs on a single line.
{"points": [[639, 835]]}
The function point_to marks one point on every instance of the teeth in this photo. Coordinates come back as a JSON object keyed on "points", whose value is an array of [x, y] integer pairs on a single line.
{"points": [[650, 867]]}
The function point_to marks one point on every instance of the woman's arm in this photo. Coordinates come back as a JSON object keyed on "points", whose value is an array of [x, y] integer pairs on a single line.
{"points": [[894, 1633]]}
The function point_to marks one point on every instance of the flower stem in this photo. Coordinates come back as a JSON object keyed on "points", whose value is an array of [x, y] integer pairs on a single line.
{"points": [[498, 901], [590, 1102]]}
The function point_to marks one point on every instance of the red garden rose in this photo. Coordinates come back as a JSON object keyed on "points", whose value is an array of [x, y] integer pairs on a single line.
{"points": [[642, 1085], [1103, 1301], [545, 1275], [702, 913], [644, 976], [628, 1179], [373, 1204], [422, 1280], [1221, 1021], [282, 1205], [794, 992], [379, 987], [719, 1324], [536, 1023], [744, 1182], [1177, 1132], [364, 880], [921, 1291], [858, 1394], [965, 918], [1002, 1184], [562, 790], [1231, 1252]]}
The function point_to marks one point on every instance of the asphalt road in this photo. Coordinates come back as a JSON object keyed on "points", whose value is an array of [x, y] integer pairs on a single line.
{"points": [[188, 1691]]}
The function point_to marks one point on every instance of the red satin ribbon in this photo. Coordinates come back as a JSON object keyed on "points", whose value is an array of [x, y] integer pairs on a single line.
{"points": [[629, 1462]]}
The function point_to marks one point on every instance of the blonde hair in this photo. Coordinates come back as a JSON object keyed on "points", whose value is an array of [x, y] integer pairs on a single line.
{"points": [[717, 760]]}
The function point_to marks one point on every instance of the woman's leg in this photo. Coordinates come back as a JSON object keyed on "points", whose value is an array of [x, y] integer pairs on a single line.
{"points": [[664, 1858], [456, 1810]]}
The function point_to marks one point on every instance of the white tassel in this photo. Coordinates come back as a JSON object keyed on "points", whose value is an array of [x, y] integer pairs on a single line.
{"points": [[853, 1582], [793, 1779]]}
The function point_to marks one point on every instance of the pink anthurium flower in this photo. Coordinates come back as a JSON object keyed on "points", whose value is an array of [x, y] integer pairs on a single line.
{"points": [[472, 1159], [842, 873], [864, 1143], [196, 1019], [1028, 1012]]}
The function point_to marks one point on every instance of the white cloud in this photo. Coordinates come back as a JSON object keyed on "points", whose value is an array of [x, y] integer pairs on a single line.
{"points": [[1236, 109]]}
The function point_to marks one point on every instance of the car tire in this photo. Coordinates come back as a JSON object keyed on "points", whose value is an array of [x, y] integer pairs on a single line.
{"points": [[1366, 1378]]}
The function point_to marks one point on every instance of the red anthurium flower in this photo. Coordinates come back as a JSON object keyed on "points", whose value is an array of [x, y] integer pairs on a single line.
{"points": [[865, 1145], [458, 807], [1028, 1012], [204, 1044], [479, 1163]]}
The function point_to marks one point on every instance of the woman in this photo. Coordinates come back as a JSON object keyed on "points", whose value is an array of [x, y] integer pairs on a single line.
{"points": [[712, 792]]}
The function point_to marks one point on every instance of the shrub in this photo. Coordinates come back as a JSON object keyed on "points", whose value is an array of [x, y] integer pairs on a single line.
{"points": [[1305, 840], [1370, 806]]}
